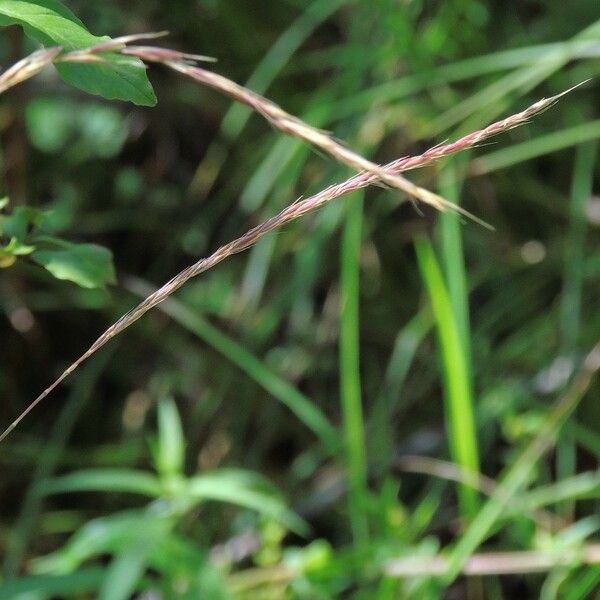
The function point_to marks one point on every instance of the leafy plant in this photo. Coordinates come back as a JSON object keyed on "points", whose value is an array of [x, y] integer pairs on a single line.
{"points": [[148, 538], [51, 23], [87, 265]]}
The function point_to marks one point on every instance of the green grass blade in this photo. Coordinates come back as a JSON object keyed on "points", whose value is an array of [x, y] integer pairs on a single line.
{"points": [[390, 399], [521, 80], [570, 306], [105, 480], [582, 587], [456, 378], [584, 485], [581, 191], [350, 390], [452, 252], [170, 454], [392, 91]]}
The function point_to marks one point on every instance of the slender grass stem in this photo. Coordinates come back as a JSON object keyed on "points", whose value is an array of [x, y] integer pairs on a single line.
{"points": [[456, 278], [570, 307], [350, 389], [456, 378]]}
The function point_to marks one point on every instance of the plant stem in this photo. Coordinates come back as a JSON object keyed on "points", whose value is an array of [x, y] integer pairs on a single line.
{"points": [[350, 390]]}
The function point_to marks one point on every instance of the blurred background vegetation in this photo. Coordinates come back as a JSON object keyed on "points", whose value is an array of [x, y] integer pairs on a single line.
{"points": [[300, 420]]}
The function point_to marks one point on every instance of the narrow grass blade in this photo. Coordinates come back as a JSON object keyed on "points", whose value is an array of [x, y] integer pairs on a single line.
{"points": [[390, 399], [105, 480], [584, 485], [457, 386], [470, 68], [350, 390], [581, 192], [521, 80], [570, 306], [453, 256], [584, 586]]}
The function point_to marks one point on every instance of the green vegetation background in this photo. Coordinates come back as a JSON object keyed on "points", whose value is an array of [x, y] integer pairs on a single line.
{"points": [[329, 356]]}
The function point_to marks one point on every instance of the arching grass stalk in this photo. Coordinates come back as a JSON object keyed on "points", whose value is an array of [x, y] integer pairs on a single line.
{"points": [[280, 119], [292, 212]]}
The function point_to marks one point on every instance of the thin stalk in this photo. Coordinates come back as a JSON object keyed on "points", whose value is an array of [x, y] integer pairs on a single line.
{"points": [[581, 192], [570, 307], [495, 563], [350, 389], [184, 63]]}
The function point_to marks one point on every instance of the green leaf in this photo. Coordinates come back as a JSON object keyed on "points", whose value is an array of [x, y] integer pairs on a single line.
{"points": [[128, 566], [105, 480], [104, 535], [246, 489], [171, 447], [17, 224], [87, 265], [52, 24], [16, 248], [82, 583], [4, 202]]}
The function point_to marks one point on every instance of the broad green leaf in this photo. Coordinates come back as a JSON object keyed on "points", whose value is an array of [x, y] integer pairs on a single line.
{"points": [[171, 447], [87, 265], [52, 24], [104, 535], [4, 202]]}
